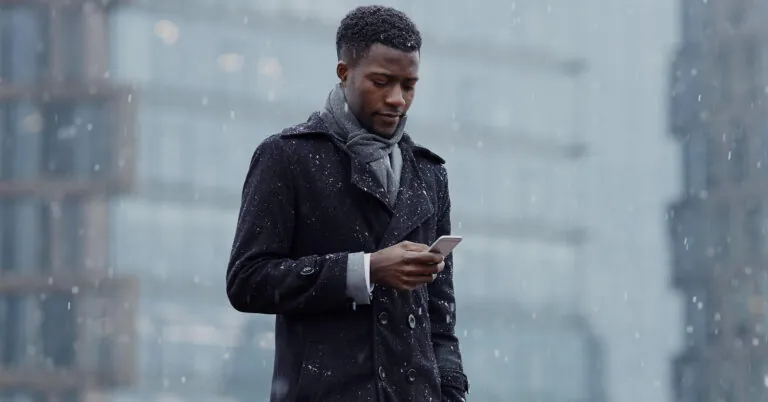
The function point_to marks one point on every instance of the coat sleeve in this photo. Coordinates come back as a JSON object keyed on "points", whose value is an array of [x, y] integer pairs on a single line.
{"points": [[261, 276], [442, 315]]}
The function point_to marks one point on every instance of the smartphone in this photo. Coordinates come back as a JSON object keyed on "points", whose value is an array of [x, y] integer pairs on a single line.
{"points": [[445, 244]]}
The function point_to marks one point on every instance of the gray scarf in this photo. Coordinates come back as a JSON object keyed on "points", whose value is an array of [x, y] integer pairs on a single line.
{"points": [[382, 154]]}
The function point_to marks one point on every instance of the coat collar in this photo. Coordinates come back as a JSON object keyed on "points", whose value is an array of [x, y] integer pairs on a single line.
{"points": [[316, 126], [413, 205]]}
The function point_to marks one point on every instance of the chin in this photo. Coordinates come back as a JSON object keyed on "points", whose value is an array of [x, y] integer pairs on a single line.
{"points": [[384, 132]]}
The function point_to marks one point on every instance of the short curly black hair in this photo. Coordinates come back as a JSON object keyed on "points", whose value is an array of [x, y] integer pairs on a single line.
{"points": [[366, 25]]}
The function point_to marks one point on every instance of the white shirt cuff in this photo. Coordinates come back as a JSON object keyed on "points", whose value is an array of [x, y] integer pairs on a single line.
{"points": [[359, 278], [367, 265]]}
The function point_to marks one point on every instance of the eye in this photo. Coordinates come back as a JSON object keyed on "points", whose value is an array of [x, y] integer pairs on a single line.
{"points": [[409, 85], [380, 83]]}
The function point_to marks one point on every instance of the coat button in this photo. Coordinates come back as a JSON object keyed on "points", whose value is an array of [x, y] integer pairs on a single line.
{"points": [[383, 318], [307, 271], [411, 321], [411, 376], [382, 374]]}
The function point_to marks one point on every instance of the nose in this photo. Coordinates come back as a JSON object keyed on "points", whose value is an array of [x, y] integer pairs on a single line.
{"points": [[395, 98]]}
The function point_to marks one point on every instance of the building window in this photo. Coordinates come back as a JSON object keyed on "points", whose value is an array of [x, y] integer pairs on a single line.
{"points": [[69, 234], [754, 232], [25, 235], [696, 18], [745, 302], [737, 14], [758, 376], [68, 54], [233, 69], [167, 57], [689, 380], [728, 382], [713, 161], [752, 57], [762, 284], [721, 231], [23, 44], [698, 315], [60, 139], [20, 141], [57, 317], [762, 157], [171, 143], [694, 243], [696, 164], [77, 139], [726, 73], [738, 152]]}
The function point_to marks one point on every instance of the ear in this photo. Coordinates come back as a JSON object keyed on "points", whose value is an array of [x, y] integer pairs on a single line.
{"points": [[342, 71]]}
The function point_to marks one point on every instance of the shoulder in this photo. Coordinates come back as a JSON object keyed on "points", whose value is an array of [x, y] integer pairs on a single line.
{"points": [[433, 163], [421, 152], [291, 139], [432, 167], [274, 146], [313, 125], [312, 128]]}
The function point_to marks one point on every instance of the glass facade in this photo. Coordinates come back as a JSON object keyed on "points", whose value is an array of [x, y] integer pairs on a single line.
{"points": [[728, 160], [540, 274], [56, 161], [22, 231], [524, 369]]}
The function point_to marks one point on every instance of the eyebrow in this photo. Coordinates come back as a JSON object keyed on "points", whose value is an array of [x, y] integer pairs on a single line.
{"points": [[391, 76]]}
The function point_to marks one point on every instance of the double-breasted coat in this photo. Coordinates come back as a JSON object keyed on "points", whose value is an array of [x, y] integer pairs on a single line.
{"points": [[306, 204]]}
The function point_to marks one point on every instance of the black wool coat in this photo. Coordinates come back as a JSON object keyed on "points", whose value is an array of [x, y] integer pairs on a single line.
{"points": [[306, 204]]}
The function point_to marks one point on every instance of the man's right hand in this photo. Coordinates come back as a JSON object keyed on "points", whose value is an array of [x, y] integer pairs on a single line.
{"points": [[405, 266]]}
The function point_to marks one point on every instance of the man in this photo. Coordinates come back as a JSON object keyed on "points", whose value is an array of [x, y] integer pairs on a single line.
{"points": [[331, 236]]}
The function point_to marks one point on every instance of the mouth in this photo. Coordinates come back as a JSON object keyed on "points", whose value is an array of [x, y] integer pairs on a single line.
{"points": [[390, 117]]}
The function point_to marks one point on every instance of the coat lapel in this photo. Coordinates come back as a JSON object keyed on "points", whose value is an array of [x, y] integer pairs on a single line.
{"points": [[365, 179], [362, 176], [413, 205]]}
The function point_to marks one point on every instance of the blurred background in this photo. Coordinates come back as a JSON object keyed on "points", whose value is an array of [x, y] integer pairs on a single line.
{"points": [[606, 163]]}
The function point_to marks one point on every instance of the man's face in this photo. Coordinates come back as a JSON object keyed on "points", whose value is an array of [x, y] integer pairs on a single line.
{"points": [[380, 87]]}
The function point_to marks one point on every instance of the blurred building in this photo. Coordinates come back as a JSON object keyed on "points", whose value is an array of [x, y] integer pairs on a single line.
{"points": [[66, 321], [718, 113], [214, 80]]}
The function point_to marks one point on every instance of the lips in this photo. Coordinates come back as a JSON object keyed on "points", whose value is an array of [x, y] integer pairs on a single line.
{"points": [[389, 117]]}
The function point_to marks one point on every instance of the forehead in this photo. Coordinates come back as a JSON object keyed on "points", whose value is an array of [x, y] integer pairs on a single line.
{"points": [[391, 61]]}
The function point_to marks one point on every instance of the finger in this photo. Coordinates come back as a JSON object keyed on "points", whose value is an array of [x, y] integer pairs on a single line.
{"points": [[441, 266], [411, 246], [409, 283], [417, 271], [415, 281], [423, 257], [414, 270]]}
